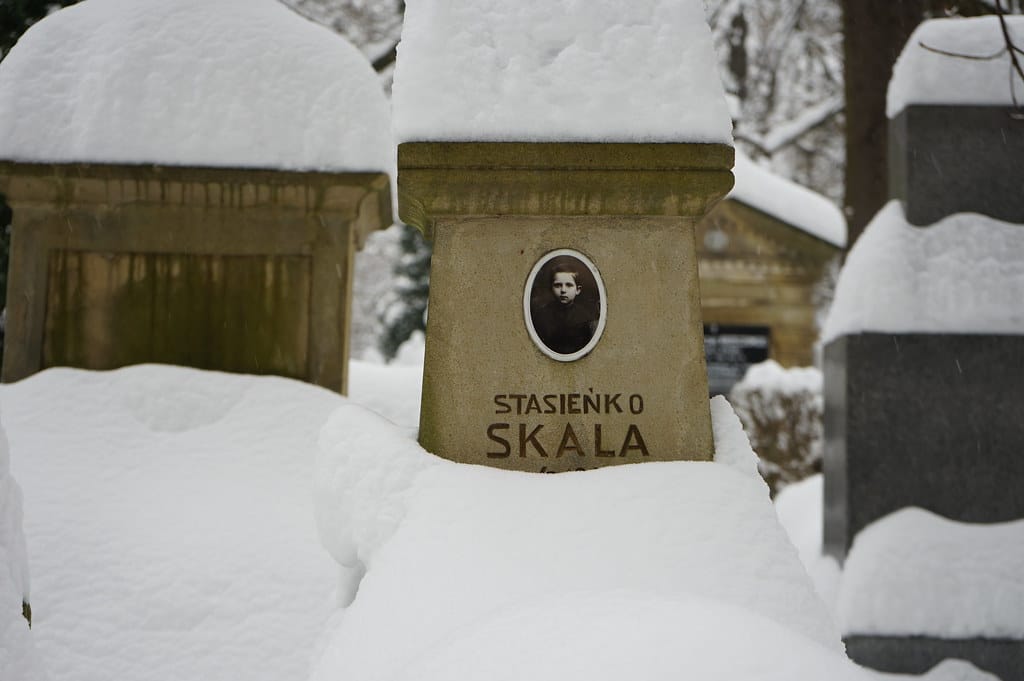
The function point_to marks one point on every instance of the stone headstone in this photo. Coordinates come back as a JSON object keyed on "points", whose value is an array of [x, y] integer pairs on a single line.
{"points": [[222, 269], [957, 159], [923, 408], [564, 327]]}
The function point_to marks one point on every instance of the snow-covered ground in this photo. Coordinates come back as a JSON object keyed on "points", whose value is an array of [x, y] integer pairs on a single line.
{"points": [[171, 535]]}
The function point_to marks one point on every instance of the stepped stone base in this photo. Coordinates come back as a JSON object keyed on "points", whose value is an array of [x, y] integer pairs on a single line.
{"points": [[918, 654]]}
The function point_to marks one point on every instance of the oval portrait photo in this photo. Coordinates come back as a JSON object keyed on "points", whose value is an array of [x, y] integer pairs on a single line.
{"points": [[564, 305]]}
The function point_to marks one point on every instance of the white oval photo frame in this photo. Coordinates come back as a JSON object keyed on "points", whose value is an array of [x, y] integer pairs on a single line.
{"points": [[602, 305]]}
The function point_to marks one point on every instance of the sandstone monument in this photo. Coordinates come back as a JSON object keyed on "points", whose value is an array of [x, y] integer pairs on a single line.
{"points": [[169, 207], [564, 328]]}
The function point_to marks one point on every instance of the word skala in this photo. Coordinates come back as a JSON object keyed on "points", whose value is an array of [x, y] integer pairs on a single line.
{"points": [[526, 441]]}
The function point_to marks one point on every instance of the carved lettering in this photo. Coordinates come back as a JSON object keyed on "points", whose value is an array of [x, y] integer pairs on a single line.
{"points": [[633, 435], [567, 403], [531, 438], [568, 435], [492, 434], [597, 443]]}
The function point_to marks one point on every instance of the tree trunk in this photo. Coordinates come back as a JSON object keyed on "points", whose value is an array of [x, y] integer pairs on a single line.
{"points": [[874, 34]]}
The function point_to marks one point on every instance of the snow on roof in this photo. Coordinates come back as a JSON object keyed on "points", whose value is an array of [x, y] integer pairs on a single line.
{"points": [[964, 274], [245, 83], [923, 76], [502, 574], [787, 201], [576, 71], [914, 573]]}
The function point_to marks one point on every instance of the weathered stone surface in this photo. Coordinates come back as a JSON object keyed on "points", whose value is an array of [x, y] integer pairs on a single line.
{"points": [[922, 420], [916, 655], [957, 159], [491, 394], [245, 270]]}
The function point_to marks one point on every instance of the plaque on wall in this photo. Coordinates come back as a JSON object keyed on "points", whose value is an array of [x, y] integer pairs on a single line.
{"points": [[730, 350]]}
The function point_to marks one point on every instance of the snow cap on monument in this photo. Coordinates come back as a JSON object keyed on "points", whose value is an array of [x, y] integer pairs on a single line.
{"points": [[231, 83], [927, 73], [570, 71]]}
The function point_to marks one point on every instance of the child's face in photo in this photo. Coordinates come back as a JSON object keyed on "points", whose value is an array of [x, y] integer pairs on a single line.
{"points": [[565, 288]]}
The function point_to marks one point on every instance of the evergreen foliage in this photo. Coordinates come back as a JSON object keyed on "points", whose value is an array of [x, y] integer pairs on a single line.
{"points": [[405, 309]]}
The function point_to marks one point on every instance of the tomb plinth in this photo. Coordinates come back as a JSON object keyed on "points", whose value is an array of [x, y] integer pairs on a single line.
{"points": [[564, 328], [229, 269]]}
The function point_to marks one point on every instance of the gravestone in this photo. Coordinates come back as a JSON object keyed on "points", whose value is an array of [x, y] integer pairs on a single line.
{"points": [[564, 330], [559, 159], [227, 269], [924, 410]]}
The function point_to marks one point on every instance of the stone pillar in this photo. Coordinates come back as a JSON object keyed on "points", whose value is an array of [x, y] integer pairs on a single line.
{"points": [[224, 269], [932, 419], [610, 372], [957, 159]]}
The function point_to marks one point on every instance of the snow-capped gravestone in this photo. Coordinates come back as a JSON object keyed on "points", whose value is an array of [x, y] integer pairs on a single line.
{"points": [[956, 126], [923, 397], [559, 157], [182, 194]]}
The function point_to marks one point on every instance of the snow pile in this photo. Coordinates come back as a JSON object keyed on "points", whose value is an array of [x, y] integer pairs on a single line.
{"points": [[574, 71], [18, 657], [923, 76], [391, 391], [964, 274], [771, 377], [787, 201], [170, 523], [914, 573], [799, 507], [228, 83], [464, 571]]}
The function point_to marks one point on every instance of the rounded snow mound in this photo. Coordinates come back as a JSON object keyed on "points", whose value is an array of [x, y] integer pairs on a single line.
{"points": [[235, 83], [572, 71], [927, 73]]}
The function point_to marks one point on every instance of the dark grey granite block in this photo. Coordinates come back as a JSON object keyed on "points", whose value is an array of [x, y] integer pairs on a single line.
{"points": [[957, 159], [935, 421], [918, 654]]}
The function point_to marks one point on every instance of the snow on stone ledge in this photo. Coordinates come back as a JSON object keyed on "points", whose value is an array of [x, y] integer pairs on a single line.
{"points": [[475, 572], [572, 71], [922, 76], [964, 274], [914, 573], [242, 83], [787, 201]]}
